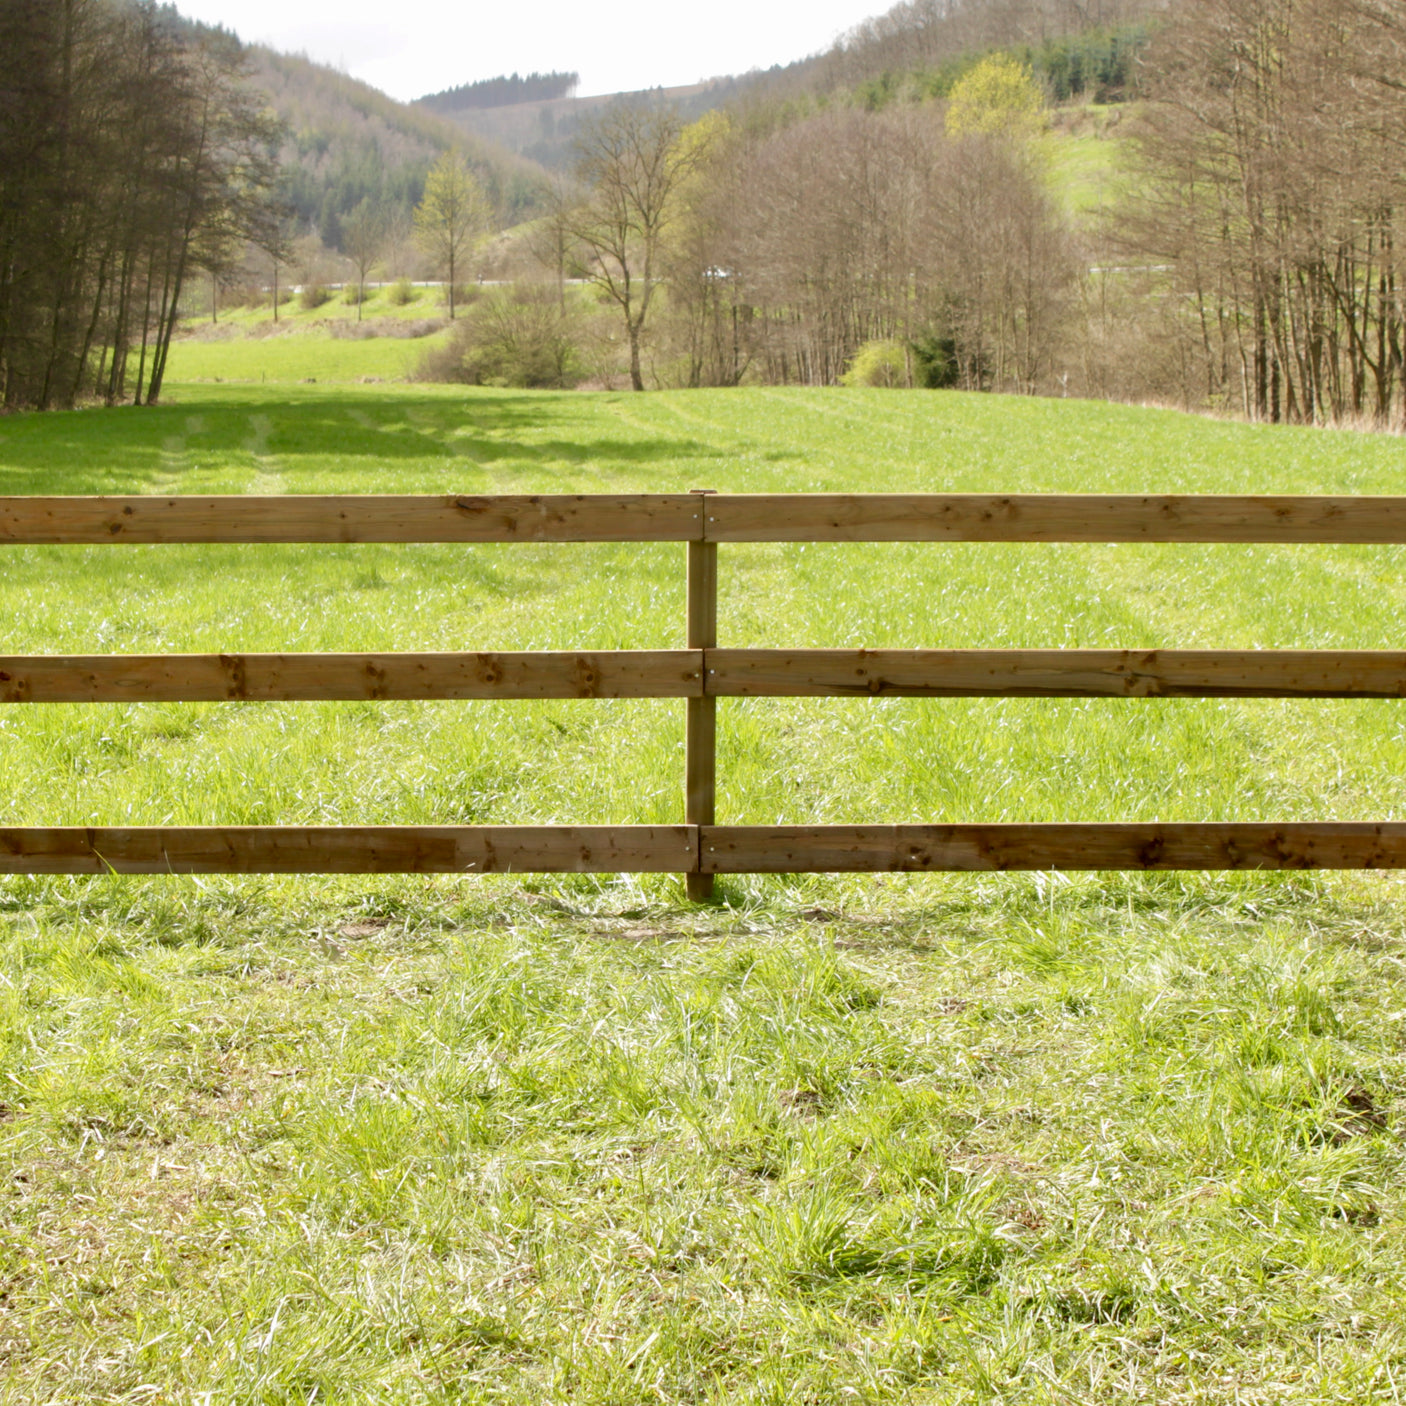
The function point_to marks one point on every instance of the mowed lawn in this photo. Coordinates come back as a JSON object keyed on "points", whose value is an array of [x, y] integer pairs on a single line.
{"points": [[1039, 1138]]}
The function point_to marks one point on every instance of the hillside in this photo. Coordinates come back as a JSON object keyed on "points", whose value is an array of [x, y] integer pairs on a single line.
{"points": [[543, 131], [912, 52], [347, 142]]}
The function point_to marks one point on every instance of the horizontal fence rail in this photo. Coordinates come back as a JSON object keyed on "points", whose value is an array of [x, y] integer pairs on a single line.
{"points": [[1080, 517], [686, 849], [349, 849], [1056, 673], [780, 849], [638, 517], [212, 678], [700, 674], [739, 517]]}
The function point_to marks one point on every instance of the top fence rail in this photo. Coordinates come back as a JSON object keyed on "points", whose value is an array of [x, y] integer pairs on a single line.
{"points": [[698, 517]]}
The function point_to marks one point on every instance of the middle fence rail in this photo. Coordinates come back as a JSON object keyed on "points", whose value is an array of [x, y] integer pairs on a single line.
{"points": [[700, 674]]}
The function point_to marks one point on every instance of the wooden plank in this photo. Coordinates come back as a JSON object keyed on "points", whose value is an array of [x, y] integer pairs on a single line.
{"points": [[730, 518], [1027, 517], [370, 849], [637, 517], [195, 678], [701, 729], [671, 849], [830, 849], [1057, 673]]}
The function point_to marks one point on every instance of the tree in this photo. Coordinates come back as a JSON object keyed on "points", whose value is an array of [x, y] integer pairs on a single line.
{"points": [[630, 160], [219, 182], [273, 236], [1273, 194], [998, 97], [451, 216], [400, 242], [710, 308], [129, 158], [551, 240], [364, 238]]}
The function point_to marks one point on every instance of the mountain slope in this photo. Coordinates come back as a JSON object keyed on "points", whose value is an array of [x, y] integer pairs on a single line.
{"points": [[348, 141]]}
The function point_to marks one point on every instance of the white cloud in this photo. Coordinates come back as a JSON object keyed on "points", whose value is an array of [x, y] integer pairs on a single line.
{"points": [[432, 44]]}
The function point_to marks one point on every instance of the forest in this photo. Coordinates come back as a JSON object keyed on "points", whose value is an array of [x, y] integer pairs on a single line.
{"points": [[502, 92], [129, 158]]}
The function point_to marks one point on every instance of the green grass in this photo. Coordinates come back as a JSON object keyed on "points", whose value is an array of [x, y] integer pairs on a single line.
{"points": [[928, 1139], [320, 344], [424, 302], [300, 355], [1083, 171]]}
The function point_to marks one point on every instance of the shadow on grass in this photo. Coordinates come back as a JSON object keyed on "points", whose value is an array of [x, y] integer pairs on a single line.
{"points": [[128, 450]]}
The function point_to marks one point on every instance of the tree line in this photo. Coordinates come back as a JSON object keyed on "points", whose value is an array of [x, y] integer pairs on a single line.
{"points": [[729, 251], [131, 156], [503, 91], [1274, 155]]}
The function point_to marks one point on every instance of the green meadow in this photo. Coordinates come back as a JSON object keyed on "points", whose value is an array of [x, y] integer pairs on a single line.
{"points": [[931, 1139], [314, 344]]}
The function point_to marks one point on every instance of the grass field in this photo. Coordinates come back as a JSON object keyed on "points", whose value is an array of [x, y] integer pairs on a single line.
{"points": [[931, 1139], [322, 344], [1085, 156]]}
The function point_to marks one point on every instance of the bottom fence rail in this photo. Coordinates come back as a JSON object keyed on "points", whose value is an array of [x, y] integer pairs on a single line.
{"points": [[698, 849]]}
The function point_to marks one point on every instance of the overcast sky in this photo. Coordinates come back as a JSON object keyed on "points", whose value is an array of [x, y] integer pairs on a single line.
{"points": [[409, 48]]}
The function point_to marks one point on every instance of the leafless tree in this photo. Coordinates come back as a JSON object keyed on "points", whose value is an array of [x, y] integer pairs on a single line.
{"points": [[1274, 193], [364, 237], [632, 164]]}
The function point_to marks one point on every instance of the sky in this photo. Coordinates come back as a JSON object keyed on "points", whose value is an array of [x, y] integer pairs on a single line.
{"points": [[408, 48]]}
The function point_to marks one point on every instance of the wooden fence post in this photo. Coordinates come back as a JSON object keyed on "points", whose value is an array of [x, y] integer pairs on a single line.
{"points": [[701, 732]]}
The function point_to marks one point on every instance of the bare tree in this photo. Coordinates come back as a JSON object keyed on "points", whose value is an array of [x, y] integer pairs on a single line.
{"points": [[364, 236], [1274, 192], [631, 162], [400, 243], [273, 237], [551, 242]]}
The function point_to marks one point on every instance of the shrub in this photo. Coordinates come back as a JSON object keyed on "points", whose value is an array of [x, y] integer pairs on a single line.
{"points": [[519, 336], [354, 293], [313, 295], [935, 365], [878, 364], [402, 292]]}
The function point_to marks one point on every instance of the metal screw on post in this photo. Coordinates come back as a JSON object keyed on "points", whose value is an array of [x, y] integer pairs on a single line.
{"points": [[701, 730]]}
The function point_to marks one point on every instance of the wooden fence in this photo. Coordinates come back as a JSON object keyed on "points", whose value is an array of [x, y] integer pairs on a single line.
{"points": [[700, 674]]}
